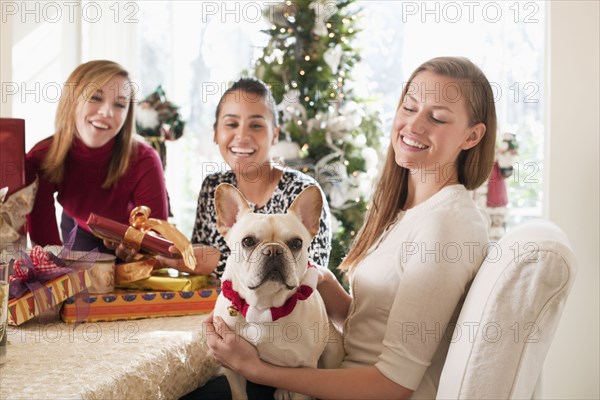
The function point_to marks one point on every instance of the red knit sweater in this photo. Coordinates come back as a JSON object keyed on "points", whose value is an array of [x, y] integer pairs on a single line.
{"points": [[81, 189]]}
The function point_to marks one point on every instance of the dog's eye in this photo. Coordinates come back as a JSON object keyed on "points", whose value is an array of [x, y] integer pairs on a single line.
{"points": [[295, 244], [248, 241]]}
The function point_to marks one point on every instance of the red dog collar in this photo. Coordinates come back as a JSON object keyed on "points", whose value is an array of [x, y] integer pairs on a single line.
{"points": [[255, 314]]}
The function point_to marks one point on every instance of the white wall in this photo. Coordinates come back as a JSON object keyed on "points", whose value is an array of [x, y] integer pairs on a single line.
{"points": [[572, 202]]}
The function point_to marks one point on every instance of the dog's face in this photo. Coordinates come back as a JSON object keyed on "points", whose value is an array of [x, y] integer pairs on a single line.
{"points": [[269, 253]]}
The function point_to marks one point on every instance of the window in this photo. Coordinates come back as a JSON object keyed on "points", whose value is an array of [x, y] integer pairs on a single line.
{"points": [[194, 48]]}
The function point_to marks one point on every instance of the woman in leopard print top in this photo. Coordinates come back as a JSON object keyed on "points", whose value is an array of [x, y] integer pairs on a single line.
{"points": [[290, 184], [245, 128]]}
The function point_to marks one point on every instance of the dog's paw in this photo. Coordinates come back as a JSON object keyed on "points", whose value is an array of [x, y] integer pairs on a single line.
{"points": [[281, 394]]}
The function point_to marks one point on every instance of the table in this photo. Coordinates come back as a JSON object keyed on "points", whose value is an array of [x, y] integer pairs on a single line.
{"points": [[158, 358]]}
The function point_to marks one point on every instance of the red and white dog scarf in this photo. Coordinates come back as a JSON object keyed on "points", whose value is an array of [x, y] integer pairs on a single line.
{"points": [[254, 314]]}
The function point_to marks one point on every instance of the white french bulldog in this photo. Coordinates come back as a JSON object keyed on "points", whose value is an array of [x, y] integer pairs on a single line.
{"points": [[269, 294]]}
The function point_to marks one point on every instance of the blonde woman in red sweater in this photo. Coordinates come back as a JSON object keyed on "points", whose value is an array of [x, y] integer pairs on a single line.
{"points": [[93, 162]]}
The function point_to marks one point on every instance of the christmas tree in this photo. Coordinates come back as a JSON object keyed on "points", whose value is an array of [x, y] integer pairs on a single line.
{"points": [[326, 130]]}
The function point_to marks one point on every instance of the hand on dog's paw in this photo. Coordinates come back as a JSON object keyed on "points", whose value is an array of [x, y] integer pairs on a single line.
{"points": [[230, 349], [281, 394]]}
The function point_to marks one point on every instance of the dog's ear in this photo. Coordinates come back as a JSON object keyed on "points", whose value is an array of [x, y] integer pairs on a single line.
{"points": [[230, 205], [307, 207]]}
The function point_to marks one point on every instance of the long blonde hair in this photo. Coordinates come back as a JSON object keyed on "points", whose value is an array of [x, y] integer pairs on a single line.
{"points": [[473, 165], [82, 84]]}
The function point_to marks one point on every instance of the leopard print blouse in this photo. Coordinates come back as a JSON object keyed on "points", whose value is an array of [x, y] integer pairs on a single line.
{"points": [[290, 185]]}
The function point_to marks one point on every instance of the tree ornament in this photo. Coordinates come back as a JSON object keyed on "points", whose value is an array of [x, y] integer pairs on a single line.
{"points": [[285, 150], [323, 11], [158, 120], [492, 196], [332, 57], [290, 106]]}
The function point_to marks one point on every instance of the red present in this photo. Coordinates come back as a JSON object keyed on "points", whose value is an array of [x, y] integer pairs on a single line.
{"points": [[143, 235], [15, 200], [114, 231], [12, 154], [136, 304]]}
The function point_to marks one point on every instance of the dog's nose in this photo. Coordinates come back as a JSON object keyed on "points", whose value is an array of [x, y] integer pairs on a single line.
{"points": [[272, 250]]}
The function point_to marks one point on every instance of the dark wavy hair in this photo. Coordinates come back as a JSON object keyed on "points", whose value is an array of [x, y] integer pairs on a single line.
{"points": [[251, 89]]}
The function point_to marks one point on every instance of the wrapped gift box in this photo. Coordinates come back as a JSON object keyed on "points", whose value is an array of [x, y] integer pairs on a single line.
{"points": [[132, 304], [115, 231], [12, 176], [12, 154], [160, 281], [61, 288]]}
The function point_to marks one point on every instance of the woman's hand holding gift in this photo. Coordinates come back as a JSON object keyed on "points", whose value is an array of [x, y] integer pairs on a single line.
{"points": [[207, 258], [122, 251]]}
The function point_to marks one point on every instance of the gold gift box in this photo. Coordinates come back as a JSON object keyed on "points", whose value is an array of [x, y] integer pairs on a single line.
{"points": [[166, 280]]}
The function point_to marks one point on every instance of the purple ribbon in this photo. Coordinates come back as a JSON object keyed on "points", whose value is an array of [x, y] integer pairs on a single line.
{"points": [[69, 266]]}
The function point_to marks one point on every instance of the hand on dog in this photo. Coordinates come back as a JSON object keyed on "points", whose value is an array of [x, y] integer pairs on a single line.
{"points": [[230, 349]]}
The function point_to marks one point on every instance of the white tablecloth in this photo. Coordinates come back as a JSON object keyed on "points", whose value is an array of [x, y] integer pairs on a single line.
{"points": [[159, 358]]}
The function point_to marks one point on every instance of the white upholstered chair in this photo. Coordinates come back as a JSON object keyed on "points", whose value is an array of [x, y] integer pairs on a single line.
{"points": [[510, 315]]}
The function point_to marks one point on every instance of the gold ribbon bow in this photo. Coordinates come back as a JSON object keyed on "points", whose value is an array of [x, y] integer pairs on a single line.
{"points": [[14, 210], [140, 224]]}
